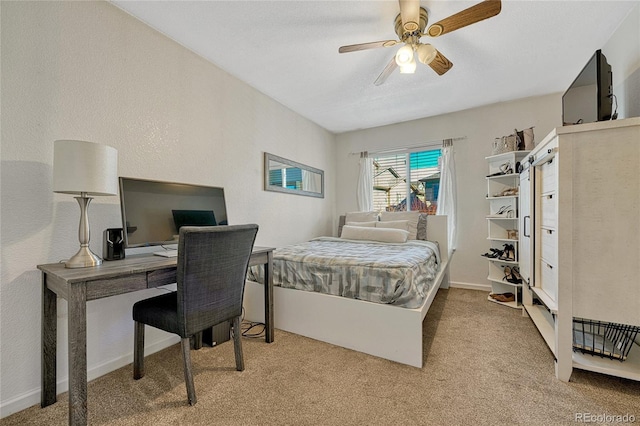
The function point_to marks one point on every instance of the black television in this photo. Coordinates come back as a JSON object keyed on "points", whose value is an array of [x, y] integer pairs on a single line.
{"points": [[589, 98], [153, 211]]}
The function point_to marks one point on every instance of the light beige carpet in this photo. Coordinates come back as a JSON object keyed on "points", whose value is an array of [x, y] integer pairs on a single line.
{"points": [[484, 364]]}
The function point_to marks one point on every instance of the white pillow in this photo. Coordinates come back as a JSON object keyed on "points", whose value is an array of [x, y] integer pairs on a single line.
{"points": [[365, 224], [410, 217], [393, 224], [361, 217], [374, 234]]}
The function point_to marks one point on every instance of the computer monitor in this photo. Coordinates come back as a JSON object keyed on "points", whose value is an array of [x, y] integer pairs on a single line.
{"points": [[153, 211], [193, 218]]}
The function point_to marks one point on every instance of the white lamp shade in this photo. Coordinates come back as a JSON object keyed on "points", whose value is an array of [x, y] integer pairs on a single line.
{"points": [[89, 167], [426, 53], [409, 68], [404, 55]]}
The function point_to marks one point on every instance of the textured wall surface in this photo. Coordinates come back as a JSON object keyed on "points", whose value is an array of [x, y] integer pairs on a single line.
{"points": [[623, 54], [87, 70]]}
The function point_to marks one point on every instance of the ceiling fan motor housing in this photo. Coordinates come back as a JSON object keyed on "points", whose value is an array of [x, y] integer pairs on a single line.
{"points": [[413, 31]]}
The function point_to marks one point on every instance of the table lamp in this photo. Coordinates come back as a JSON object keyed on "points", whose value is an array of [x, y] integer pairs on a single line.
{"points": [[85, 169]]}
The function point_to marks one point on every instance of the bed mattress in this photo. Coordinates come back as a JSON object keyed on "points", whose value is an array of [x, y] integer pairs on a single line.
{"points": [[398, 274]]}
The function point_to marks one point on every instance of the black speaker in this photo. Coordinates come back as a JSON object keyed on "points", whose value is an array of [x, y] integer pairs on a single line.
{"points": [[113, 244]]}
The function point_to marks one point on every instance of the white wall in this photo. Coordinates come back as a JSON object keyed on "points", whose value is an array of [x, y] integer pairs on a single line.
{"points": [[479, 127], [623, 54], [87, 70]]}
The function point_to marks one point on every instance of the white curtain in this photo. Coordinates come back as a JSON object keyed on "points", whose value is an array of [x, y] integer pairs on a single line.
{"points": [[364, 191], [309, 181], [447, 192]]}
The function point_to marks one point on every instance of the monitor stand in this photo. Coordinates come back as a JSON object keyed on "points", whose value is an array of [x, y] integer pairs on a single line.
{"points": [[166, 253]]}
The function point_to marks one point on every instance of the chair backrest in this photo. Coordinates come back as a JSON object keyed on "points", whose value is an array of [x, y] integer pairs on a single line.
{"points": [[212, 268]]}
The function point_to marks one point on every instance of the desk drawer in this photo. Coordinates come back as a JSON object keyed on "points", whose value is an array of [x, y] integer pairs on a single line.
{"points": [[161, 277], [110, 287], [549, 176], [549, 246], [548, 210], [549, 281]]}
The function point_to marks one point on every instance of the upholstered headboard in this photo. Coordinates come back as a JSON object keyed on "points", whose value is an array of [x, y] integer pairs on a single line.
{"points": [[341, 222]]}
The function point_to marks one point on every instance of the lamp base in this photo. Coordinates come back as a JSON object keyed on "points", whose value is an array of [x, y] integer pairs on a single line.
{"points": [[83, 258]]}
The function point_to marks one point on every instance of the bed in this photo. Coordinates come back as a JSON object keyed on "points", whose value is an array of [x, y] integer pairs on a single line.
{"points": [[338, 291]]}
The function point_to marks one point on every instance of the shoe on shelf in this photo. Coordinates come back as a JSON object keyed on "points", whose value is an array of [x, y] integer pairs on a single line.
{"points": [[504, 297], [505, 169], [504, 211], [516, 274], [507, 192], [507, 273], [509, 276], [494, 253], [509, 253]]}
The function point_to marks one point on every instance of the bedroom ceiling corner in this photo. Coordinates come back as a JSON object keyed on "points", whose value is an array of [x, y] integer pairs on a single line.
{"points": [[288, 50]]}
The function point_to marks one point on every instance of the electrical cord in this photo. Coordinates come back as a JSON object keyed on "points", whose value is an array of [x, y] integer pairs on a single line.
{"points": [[614, 116], [247, 326]]}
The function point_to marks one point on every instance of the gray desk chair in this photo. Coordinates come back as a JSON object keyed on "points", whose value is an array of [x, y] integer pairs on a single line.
{"points": [[211, 273]]}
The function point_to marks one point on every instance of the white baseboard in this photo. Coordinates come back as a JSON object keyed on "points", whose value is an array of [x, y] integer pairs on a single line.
{"points": [[32, 397], [470, 286]]}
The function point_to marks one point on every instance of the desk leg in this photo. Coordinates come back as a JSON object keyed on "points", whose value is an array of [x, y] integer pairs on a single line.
{"points": [[78, 354], [48, 332], [268, 298]]}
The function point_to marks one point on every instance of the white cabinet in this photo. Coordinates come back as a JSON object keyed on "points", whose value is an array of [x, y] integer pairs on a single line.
{"points": [[503, 183], [585, 239], [546, 230], [525, 242]]}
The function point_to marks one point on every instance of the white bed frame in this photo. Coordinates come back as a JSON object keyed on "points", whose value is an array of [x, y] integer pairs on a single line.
{"points": [[386, 331]]}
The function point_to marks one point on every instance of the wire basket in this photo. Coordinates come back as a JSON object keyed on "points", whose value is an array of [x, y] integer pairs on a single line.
{"points": [[608, 340]]}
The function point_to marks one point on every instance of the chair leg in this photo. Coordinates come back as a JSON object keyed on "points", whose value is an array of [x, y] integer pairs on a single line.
{"points": [[197, 341], [138, 350], [237, 344], [188, 374]]}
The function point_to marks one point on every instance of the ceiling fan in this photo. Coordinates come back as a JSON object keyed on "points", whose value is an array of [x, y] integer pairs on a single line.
{"points": [[410, 25]]}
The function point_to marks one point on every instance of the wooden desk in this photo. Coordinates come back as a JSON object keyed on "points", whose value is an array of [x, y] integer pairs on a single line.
{"points": [[80, 285]]}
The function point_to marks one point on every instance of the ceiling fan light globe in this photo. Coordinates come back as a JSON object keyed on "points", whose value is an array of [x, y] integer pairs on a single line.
{"points": [[426, 53], [404, 56], [409, 68]]}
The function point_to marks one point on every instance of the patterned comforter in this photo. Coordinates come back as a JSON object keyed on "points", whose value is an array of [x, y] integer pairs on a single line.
{"points": [[397, 274]]}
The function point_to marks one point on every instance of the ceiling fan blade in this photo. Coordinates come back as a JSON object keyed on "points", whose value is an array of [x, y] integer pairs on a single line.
{"points": [[410, 14], [471, 15], [386, 72], [441, 64], [365, 46]]}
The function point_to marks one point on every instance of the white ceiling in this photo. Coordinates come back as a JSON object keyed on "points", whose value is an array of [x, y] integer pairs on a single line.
{"points": [[289, 51]]}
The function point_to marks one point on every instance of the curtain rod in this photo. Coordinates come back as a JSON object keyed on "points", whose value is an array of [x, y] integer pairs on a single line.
{"points": [[432, 144]]}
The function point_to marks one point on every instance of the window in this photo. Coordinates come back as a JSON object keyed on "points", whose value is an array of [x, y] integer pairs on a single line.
{"points": [[413, 176], [289, 177]]}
